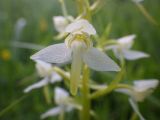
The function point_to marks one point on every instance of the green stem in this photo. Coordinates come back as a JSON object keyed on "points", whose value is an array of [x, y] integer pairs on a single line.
{"points": [[79, 6], [84, 8], [88, 11], [134, 116], [146, 14], [85, 95], [47, 95], [62, 73], [12, 105], [63, 6], [61, 115]]}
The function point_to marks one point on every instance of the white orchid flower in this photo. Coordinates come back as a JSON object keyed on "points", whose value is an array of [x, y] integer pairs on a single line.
{"points": [[62, 100], [78, 48], [123, 49], [140, 90], [61, 22], [49, 76], [65, 104]]}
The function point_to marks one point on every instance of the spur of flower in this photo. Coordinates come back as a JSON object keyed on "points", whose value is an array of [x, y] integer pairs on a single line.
{"points": [[64, 103], [138, 92], [122, 49], [79, 49], [46, 72]]}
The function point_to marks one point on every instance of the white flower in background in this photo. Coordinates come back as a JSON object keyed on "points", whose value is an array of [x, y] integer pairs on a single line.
{"points": [[49, 76], [79, 48], [123, 49], [140, 90], [65, 104], [61, 98], [61, 22], [137, 1]]}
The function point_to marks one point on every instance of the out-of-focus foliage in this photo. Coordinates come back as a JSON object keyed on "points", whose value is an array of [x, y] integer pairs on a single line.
{"points": [[17, 70]]}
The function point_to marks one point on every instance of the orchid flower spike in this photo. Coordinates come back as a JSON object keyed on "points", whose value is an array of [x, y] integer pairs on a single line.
{"points": [[79, 48], [122, 49], [49, 76], [61, 98], [61, 22], [140, 90]]}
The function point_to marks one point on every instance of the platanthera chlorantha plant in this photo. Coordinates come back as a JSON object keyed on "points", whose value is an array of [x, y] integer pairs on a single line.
{"points": [[78, 48]]}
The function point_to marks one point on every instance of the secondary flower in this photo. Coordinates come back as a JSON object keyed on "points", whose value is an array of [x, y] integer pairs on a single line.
{"points": [[79, 48], [123, 49], [140, 90], [60, 22], [64, 102], [49, 76]]}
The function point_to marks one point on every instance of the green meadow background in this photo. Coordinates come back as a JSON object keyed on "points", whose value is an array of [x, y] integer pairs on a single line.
{"points": [[17, 71]]}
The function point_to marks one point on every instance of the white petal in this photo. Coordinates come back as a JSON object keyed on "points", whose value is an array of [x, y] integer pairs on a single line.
{"points": [[57, 53], [118, 54], [43, 68], [39, 84], [136, 109], [81, 26], [60, 96], [51, 112], [60, 23], [55, 77], [134, 55], [99, 61], [127, 41], [144, 85]]}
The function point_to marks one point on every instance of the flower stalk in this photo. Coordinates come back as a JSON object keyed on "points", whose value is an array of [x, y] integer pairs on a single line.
{"points": [[85, 94]]}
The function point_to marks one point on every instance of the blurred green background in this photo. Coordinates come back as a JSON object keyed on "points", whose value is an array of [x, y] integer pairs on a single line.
{"points": [[36, 26]]}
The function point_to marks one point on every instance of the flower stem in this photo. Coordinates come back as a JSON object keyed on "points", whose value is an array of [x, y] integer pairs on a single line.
{"points": [[134, 116], [84, 8], [61, 115], [85, 94], [47, 95], [63, 6]]}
